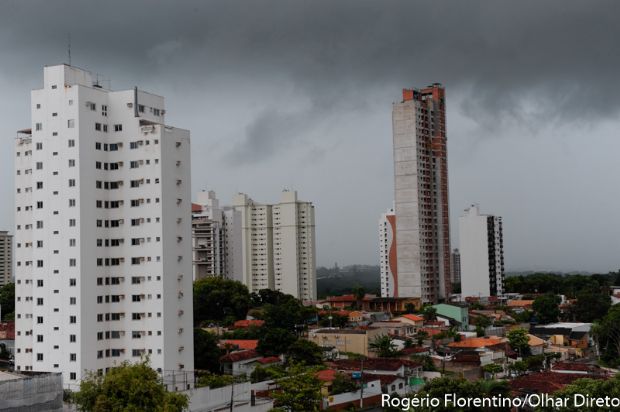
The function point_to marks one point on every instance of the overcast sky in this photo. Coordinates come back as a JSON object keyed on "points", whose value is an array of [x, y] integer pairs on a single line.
{"points": [[298, 94]]}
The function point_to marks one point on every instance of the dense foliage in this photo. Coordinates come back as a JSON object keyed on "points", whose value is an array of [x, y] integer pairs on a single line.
{"points": [[607, 334], [7, 301], [217, 299], [568, 285], [546, 308], [129, 387], [206, 351]]}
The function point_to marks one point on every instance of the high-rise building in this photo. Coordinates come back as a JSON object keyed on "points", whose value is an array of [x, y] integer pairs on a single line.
{"points": [[103, 240], [456, 266], [277, 245], [482, 254], [6, 257], [421, 194], [208, 236], [387, 253]]}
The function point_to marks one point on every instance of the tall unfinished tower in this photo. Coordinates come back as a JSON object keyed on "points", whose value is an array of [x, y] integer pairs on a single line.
{"points": [[421, 194]]}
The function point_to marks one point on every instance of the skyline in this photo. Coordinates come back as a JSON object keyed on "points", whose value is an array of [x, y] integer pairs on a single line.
{"points": [[531, 114]]}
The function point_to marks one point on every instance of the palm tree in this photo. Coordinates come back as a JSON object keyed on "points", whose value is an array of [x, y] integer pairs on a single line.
{"points": [[383, 347]]}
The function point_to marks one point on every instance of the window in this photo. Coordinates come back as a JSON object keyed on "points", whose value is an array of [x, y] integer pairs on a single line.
{"points": [[39, 224], [39, 357], [72, 242], [72, 282], [72, 262], [39, 338], [72, 319], [39, 205], [91, 106], [72, 376], [141, 108], [72, 357], [39, 185], [39, 146], [104, 110], [98, 126], [118, 127], [39, 283], [71, 123], [97, 146], [71, 143], [71, 222], [39, 165], [38, 126], [71, 202], [72, 300], [71, 162], [40, 319], [72, 338], [71, 182], [134, 164]]}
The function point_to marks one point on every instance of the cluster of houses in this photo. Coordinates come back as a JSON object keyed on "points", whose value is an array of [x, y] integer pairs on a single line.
{"points": [[450, 340]]}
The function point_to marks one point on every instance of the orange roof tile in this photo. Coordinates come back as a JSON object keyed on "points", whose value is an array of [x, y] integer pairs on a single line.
{"points": [[414, 318], [241, 343], [476, 342]]}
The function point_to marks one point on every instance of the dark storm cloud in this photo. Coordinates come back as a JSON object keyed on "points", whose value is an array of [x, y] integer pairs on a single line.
{"points": [[298, 93], [501, 56]]}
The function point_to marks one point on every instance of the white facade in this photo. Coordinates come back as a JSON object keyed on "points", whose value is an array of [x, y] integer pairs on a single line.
{"points": [[6, 258], [208, 236], [387, 253], [481, 254], [277, 245], [103, 256]]}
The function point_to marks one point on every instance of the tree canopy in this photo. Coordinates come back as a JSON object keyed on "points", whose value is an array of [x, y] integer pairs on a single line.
{"points": [[519, 341], [128, 387], [7, 301], [305, 352], [206, 351], [383, 346], [547, 308], [220, 299], [607, 333], [298, 392], [591, 305]]}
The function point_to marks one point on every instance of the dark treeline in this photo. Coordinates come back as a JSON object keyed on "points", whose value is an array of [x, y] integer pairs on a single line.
{"points": [[569, 285]]}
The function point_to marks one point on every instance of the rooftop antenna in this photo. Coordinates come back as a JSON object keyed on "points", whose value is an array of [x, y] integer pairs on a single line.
{"points": [[69, 48]]}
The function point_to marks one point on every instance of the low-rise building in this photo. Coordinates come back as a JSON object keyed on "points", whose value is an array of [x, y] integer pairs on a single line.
{"points": [[346, 340], [458, 313], [576, 335], [410, 319]]}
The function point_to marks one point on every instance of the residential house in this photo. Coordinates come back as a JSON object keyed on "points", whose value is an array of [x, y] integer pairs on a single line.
{"points": [[345, 340]]}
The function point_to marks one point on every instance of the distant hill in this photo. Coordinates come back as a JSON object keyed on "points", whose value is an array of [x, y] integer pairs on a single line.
{"points": [[341, 281]]}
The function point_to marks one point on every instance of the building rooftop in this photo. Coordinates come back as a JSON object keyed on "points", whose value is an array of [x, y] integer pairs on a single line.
{"points": [[477, 342], [240, 343]]}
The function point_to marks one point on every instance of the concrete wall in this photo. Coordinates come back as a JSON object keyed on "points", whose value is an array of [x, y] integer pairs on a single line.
{"points": [[32, 394]]}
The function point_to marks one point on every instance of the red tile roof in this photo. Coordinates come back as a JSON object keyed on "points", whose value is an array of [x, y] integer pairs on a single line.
{"points": [[414, 318], [380, 364], [543, 382], [240, 343], [241, 324], [196, 207], [240, 356], [326, 375], [476, 342], [579, 367], [269, 359]]}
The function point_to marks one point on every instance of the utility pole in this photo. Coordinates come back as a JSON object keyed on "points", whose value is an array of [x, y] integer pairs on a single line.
{"points": [[362, 385]]}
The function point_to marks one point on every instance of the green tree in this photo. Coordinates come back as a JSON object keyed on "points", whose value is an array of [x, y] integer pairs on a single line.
{"points": [[305, 352], [607, 334], [547, 308], [275, 341], [594, 388], [337, 320], [359, 292], [7, 301], [518, 367], [383, 346], [298, 392], [493, 369], [206, 351], [421, 336], [429, 313], [591, 305], [342, 383], [218, 299], [519, 341], [287, 315], [214, 381], [128, 387]]}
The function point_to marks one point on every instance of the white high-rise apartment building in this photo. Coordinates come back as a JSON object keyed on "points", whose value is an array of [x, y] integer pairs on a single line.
{"points": [[208, 236], [6, 258], [102, 239], [277, 245], [387, 253], [482, 254]]}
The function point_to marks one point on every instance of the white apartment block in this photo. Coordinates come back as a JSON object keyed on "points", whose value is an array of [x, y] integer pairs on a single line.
{"points": [[6, 258], [208, 236], [277, 245], [481, 254], [387, 253], [102, 236]]}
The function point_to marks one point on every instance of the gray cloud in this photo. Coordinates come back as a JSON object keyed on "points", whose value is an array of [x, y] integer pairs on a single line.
{"points": [[271, 89]]}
